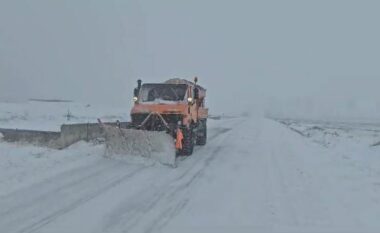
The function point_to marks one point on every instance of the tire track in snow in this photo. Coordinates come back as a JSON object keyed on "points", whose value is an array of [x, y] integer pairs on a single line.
{"points": [[66, 180], [46, 205], [179, 191], [36, 226], [171, 211], [130, 215]]}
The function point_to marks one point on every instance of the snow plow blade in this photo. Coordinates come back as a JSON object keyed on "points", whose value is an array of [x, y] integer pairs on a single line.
{"points": [[158, 146]]}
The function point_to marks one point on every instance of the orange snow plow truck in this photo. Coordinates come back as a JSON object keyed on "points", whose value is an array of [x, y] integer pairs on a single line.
{"points": [[167, 119]]}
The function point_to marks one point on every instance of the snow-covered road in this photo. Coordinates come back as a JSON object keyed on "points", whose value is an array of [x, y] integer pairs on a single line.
{"points": [[254, 175]]}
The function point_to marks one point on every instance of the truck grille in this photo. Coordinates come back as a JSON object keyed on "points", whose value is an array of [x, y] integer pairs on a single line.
{"points": [[154, 123]]}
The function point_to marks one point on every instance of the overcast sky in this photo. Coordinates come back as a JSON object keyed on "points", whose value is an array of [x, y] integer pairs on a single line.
{"points": [[314, 56]]}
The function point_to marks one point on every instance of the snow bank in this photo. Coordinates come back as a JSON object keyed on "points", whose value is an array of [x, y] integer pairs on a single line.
{"points": [[335, 134]]}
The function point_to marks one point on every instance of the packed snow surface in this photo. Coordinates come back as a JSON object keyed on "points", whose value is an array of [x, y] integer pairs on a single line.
{"points": [[254, 175]]}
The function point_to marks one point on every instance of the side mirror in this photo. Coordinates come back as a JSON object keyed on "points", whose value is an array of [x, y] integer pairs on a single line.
{"points": [[196, 93], [136, 92]]}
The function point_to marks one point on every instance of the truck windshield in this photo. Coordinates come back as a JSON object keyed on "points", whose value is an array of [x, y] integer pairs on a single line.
{"points": [[162, 92]]}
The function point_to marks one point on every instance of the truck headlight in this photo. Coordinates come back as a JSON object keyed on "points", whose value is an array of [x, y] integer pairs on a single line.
{"points": [[190, 100], [135, 99]]}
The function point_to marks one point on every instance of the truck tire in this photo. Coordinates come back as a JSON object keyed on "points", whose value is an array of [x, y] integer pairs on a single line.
{"points": [[202, 134], [187, 142]]}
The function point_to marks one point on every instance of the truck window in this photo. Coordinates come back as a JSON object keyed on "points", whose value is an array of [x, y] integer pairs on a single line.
{"points": [[163, 92]]}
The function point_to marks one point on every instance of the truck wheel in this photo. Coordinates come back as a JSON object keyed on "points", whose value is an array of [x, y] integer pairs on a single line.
{"points": [[188, 142], [202, 134]]}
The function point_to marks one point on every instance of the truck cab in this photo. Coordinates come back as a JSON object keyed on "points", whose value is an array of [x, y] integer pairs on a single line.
{"points": [[169, 105]]}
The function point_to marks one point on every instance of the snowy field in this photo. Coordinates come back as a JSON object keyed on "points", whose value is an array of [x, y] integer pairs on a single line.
{"points": [[254, 175], [50, 115]]}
